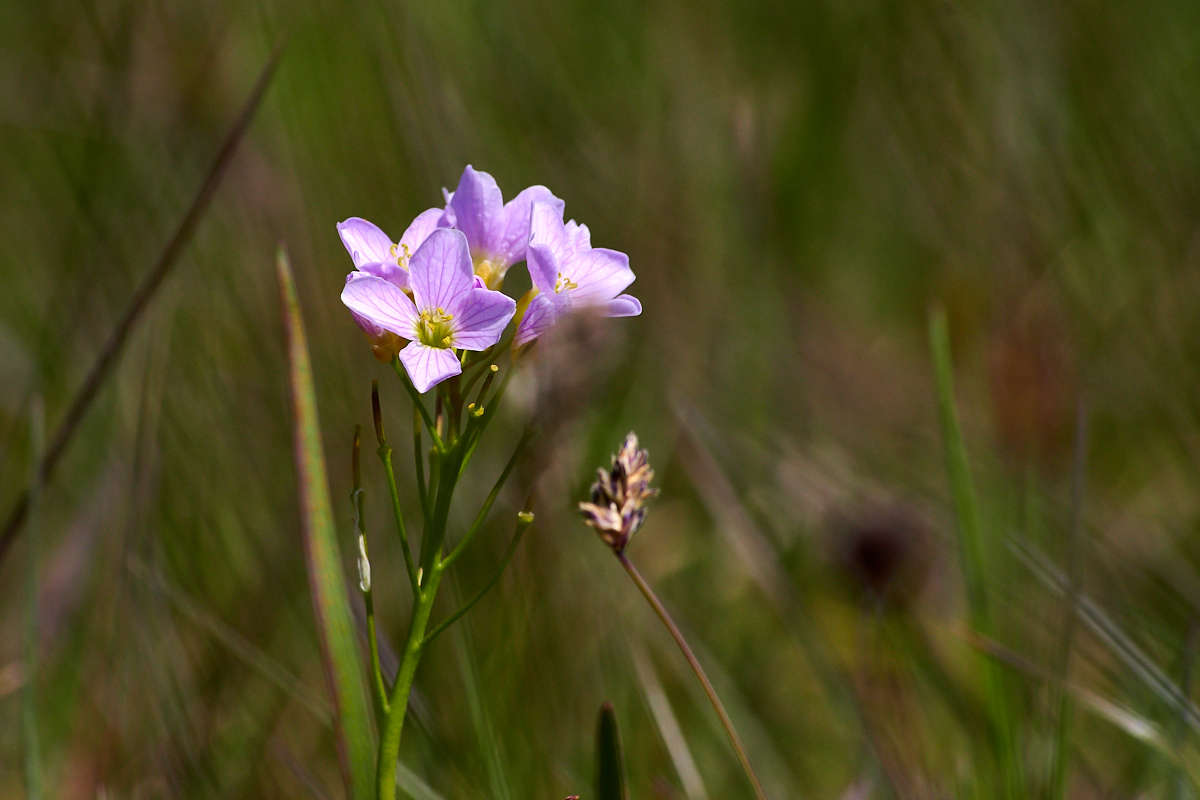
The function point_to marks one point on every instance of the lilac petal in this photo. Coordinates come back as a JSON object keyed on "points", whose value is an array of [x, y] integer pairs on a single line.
{"points": [[441, 273], [539, 317], [482, 320], [543, 267], [600, 275], [510, 231], [372, 330], [579, 238], [390, 271], [381, 303], [625, 305], [476, 203], [426, 223], [364, 241], [428, 366], [546, 229]]}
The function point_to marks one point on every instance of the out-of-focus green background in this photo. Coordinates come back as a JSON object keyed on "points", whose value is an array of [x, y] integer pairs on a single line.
{"points": [[795, 185]]}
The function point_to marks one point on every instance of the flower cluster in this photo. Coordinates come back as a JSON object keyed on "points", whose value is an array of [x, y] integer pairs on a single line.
{"points": [[619, 495], [437, 290]]}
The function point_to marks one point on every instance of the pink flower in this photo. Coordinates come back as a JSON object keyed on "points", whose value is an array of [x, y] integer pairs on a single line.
{"points": [[569, 274], [448, 310]]}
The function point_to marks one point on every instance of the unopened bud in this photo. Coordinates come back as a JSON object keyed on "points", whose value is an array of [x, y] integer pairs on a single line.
{"points": [[377, 414], [364, 565], [525, 517]]}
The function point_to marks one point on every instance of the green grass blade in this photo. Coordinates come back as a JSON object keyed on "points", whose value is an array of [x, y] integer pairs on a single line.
{"points": [[971, 551], [610, 765], [335, 626]]}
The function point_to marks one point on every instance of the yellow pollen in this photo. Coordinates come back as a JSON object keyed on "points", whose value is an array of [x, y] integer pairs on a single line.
{"points": [[562, 284], [433, 328], [403, 256]]}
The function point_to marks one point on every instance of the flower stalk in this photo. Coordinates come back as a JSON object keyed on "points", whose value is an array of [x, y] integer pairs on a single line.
{"points": [[430, 303], [446, 460], [698, 670], [616, 512]]}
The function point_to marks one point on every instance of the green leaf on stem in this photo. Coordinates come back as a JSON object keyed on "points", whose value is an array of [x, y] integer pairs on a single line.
{"points": [[335, 627]]}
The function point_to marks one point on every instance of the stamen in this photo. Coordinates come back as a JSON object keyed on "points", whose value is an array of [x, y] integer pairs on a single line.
{"points": [[562, 284]]}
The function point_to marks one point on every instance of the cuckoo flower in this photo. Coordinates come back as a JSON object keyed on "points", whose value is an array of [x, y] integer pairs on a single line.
{"points": [[374, 254], [569, 273], [448, 310], [497, 232]]}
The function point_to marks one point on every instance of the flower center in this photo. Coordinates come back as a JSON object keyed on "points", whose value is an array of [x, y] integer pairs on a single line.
{"points": [[433, 328], [564, 284], [402, 255]]}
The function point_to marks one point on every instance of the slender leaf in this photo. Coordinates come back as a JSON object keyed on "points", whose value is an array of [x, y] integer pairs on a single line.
{"points": [[971, 551], [610, 765], [335, 626]]}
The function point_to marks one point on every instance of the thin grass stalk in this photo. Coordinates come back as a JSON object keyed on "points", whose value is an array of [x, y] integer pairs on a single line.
{"points": [[30, 725], [1058, 772], [711, 693], [102, 367]]}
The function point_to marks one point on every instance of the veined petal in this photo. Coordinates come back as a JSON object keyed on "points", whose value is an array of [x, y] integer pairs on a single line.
{"points": [[390, 271], [600, 275], [476, 203], [479, 324], [624, 305], [509, 234], [428, 366], [578, 237], [426, 223], [365, 242], [441, 272], [546, 229], [543, 267], [539, 317], [376, 300]]}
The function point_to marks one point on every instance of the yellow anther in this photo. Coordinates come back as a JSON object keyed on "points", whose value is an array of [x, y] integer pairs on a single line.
{"points": [[433, 328], [401, 257], [562, 284]]}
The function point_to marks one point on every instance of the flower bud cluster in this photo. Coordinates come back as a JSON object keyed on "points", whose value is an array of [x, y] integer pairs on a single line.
{"points": [[617, 508]]}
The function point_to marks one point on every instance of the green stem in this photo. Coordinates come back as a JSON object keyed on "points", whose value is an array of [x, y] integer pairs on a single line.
{"points": [[524, 520], [419, 458], [491, 498], [416, 398], [389, 740], [475, 431], [431, 543], [385, 455], [726, 722], [382, 707], [364, 567]]}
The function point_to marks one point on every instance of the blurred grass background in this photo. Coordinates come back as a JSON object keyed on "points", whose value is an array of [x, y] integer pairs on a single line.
{"points": [[795, 184]]}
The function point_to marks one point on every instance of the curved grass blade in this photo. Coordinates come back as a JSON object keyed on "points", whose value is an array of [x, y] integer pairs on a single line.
{"points": [[102, 367], [971, 553], [610, 765], [326, 578]]}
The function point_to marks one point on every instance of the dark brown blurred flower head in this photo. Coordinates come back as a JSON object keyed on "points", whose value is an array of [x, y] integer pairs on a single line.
{"points": [[617, 508], [886, 550]]}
